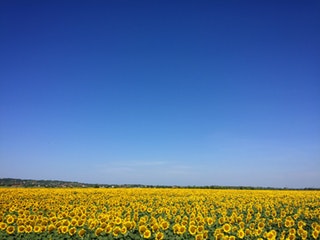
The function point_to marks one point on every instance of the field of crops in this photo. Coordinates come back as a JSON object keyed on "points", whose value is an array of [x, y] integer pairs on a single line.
{"points": [[139, 213]]}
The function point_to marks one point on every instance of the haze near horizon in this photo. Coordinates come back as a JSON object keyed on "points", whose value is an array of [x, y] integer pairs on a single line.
{"points": [[161, 92]]}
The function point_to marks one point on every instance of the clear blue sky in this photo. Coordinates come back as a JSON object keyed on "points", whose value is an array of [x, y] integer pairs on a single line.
{"points": [[161, 92]]}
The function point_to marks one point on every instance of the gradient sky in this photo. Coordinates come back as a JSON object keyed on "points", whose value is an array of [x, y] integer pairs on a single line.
{"points": [[161, 92]]}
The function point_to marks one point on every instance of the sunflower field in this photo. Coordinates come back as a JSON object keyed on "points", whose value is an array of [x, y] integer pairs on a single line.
{"points": [[149, 213]]}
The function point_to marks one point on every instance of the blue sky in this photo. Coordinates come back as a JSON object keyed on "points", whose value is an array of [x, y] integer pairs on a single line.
{"points": [[161, 92]]}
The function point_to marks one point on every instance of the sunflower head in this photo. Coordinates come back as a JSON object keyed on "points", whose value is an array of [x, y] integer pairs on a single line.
{"points": [[159, 236], [10, 230], [147, 234], [226, 227], [192, 230], [72, 231], [124, 230], [81, 233]]}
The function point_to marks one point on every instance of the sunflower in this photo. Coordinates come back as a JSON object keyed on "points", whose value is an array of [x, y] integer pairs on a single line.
{"points": [[182, 229], [64, 229], [51, 227], [304, 234], [74, 222], [287, 223], [20, 221], [3, 226], [142, 229], [147, 234], [261, 225], [21, 229], [271, 235], [103, 225], [221, 220], [108, 229], [192, 230], [241, 225], [37, 229], [176, 227], [291, 237], [159, 236], [165, 225], [300, 231], [315, 234], [10, 219], [118, 221], [301, 224], [80, 223], [226, 227], [133, 224], [209, 221], [116, 231], [32, 217], [314, 224], [53, 219], [247, 232], [81, 232], [10, 230], [28, 229], [241, 234], [72, 231], [200, 229], [292, 231], [124, 230], [219, 236], [155, 227], [199, 236], [98, 231]]}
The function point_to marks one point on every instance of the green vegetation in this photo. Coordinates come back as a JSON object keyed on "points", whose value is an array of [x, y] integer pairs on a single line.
{"points": [[15, 182]]}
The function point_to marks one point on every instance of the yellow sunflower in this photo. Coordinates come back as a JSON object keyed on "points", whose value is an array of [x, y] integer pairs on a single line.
{"points": [[98, 231], [241, 234], [155, 227], [142, 229], [10, 219], [118, 221], [81, 233], [21, 229], [37, 229], [200, 229], [315, 234], [159, 236], [72, 231], [226, 227], [199, 236], [28, 229], [182, 229], [192, 230], [209, 221], [261, 225], [3, 226], [51, 227], [147, 234], [108, 229], [64, 229], [10, 230], [80, 222], [176, 227], [165, 225], [123, 230], [116, 231]]}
